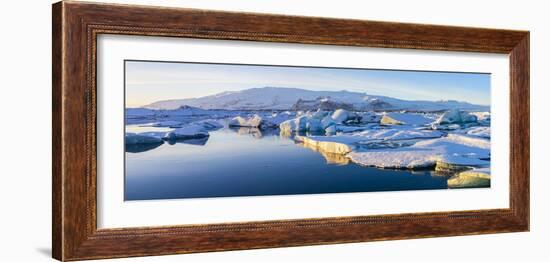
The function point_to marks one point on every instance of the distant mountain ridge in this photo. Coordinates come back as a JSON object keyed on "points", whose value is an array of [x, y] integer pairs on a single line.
{"points": [[282, 98]]}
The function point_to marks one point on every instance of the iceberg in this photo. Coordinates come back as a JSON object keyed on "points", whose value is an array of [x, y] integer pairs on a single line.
{"points": [[370, 117], [331, 130], [445, 152], [319, 114], [327, 144], [346, 143], [327, 121], [456, 116], [294, 125], [331, 158], [275, 119], [192, 131], [479, 177], [405, 119], [314, 125], [208, 124], [142, 138], [350, 129], [320, 121], [254, 121], [139, 148], [341, 115]]}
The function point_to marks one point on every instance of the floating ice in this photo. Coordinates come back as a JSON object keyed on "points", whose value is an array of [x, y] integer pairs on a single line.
{"points": [[142, 138], [479, 131], [456, 116], [405, 119], [187, 132], [479, 177], [254, 121], [451, 150]]}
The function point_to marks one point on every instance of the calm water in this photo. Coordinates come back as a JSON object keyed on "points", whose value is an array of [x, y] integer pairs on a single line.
{"points": [[246, 162]]}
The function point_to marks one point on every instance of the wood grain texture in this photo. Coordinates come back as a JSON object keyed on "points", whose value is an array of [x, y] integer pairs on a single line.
{"points": [[76, 26], [57, 191]]}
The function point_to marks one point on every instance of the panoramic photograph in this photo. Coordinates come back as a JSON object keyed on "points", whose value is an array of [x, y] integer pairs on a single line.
{"points": [[201, 130]]}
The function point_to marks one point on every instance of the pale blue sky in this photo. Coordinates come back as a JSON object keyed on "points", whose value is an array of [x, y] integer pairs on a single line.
{"points": [[148, 82]]}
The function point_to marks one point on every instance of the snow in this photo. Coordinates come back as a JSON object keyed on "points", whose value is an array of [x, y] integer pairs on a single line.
{"points": [[398, 158], [405, 119], [282, 98], [397, 134], [137, 113], [453, 149], [478, 131], [345, 143], [197, 129], [350, 129], [194, 130], [254, 121]]}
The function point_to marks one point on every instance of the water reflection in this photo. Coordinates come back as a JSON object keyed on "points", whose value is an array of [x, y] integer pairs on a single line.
{"points": [[255, 132], [194, 141], [285, 133], [138, 148], [331, 158], [234, 162]]}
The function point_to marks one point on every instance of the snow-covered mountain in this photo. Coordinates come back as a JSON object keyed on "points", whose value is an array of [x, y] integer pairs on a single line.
{"points": [[281, 98]]}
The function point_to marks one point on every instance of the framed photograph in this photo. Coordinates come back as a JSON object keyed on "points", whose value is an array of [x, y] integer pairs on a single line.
{"points": [[182, 130]]}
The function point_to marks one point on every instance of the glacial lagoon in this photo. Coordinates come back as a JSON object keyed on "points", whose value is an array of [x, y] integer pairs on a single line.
{"points": [[250, 162]]}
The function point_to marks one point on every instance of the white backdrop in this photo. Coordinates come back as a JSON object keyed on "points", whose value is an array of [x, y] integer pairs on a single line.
{"points": [[113, 211], [25, 57]]}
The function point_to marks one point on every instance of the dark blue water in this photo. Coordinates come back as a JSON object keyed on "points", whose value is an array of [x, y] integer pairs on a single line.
{"points": [[246, 162]]}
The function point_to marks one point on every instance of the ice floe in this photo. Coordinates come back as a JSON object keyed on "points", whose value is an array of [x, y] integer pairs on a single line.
{"points": [[405, 119], [142, 138], [449, 152], [340, 116], [167, 123], [345, 143], [456, 116], [479, 131], [328, 144], [254, 121], [479, 177], [187, 132]]}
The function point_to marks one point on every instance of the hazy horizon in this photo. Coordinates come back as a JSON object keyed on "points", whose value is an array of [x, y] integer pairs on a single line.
{"points": [[148, 82]]}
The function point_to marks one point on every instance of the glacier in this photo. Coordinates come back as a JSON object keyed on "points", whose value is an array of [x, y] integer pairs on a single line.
{"points": [[296, 99]]}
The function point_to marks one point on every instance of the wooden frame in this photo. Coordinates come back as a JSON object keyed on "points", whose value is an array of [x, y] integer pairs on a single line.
{"points": [[76, 26]]}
